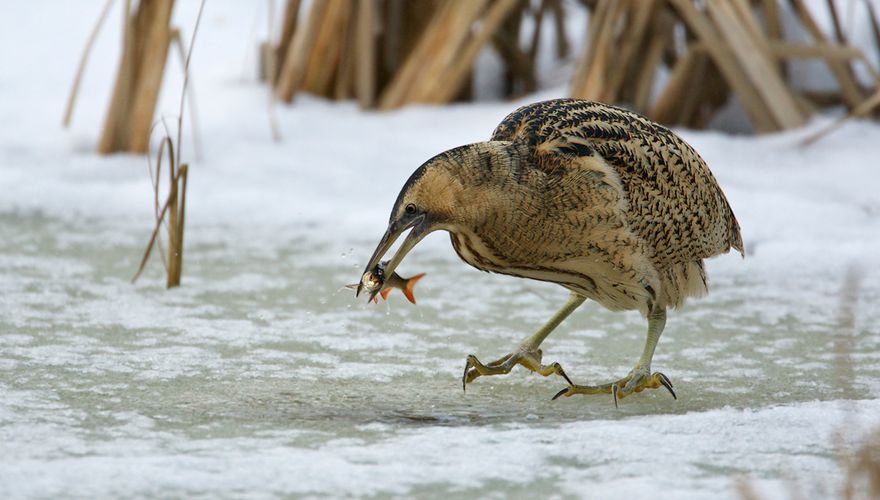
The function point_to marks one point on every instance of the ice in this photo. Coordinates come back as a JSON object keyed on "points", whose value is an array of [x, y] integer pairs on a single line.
{"points": [[261, 376]]}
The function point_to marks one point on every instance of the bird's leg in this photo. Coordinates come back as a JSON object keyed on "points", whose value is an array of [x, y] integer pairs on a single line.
{"points": [[640, 377], [527, 354]]}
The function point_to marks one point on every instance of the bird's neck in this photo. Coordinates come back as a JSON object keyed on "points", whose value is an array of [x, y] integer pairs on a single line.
{"points": [[484, 187]]}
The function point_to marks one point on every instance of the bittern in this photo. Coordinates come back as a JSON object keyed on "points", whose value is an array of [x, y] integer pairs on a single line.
{"points": [[601, 200]]}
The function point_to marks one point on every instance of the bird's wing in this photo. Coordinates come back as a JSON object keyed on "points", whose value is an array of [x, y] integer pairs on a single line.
{"points": [[673, 201]]}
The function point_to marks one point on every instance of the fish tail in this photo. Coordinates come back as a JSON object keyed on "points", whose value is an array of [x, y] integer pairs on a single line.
{"points": [[410, 284]]}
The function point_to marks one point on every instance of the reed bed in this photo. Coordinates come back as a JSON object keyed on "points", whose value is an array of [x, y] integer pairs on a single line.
{"points": [[388, 54], [728, 48], [392, 53]]}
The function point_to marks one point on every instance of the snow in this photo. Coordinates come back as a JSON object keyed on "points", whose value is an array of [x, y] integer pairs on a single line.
{"points": [[261, 376]]}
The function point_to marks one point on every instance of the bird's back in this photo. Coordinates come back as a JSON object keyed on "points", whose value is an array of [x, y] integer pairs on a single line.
{"points": [[674, 203]]}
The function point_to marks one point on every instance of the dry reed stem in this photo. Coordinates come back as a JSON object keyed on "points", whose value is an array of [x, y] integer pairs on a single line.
{"points": [[323, 58], [288, 28], [862, 109], [585, 61], [173, 207], [639, 20], [875, 28], [459, 70], [721, 54], [150, 72], [166, 148], [155, 179], [365, 48], [433, 54], [342, 84], [773, 24], [756, 63], [668, 106], [835, 22], [594, 82], [656, 45], [562, 46], [532, 51], [787, 50], [293, 66], [449, 41], [190, 94], [146, 39], [121, 89], [175, 231], [852, 93], [80, 70]]}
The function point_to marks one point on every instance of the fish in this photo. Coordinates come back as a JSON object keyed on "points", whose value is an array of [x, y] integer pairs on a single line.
{"points": [[375, 279]]}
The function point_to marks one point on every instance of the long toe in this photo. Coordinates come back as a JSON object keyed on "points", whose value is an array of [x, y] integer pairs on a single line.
{"points": [[530, 359], [636, 381], [473, 368]]}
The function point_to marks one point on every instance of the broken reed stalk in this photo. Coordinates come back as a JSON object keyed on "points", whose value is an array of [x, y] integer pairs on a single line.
{"points": [[174, 206], [175, 202], [177, 212]]}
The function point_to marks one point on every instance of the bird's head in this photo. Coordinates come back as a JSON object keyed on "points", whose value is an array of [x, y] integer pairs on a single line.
{"points": [[443, 193]]}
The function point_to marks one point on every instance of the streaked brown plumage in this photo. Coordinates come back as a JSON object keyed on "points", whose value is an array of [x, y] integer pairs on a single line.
{"points": [[601, 200]]}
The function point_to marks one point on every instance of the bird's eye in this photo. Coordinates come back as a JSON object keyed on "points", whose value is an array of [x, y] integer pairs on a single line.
{"points": [[410, 209]]}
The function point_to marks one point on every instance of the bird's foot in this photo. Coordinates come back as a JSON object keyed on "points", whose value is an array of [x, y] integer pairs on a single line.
{"points": [[529, 358], [639, 379]]}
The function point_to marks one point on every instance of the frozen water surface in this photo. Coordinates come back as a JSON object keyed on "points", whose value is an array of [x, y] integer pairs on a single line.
{"points": [[261, 376]]}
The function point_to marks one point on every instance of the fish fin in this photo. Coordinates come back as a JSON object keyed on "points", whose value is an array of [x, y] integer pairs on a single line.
{"points": [[384, 293], [375, 300], [410, 284]]}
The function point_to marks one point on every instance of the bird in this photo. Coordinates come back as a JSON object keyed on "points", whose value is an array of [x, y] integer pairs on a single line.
{"points": [[601, 200]]}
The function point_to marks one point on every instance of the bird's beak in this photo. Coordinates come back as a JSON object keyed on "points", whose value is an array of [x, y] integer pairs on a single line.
{"points": [[420, 229]]}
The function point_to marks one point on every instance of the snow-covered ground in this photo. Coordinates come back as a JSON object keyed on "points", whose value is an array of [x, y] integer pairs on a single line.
{"points": [[260, 376]]}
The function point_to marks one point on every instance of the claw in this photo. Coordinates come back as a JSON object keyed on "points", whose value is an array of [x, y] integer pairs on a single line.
{"points": [[562, 372], [560, 393], [667, 384], [467, 365], [614, 390]]}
